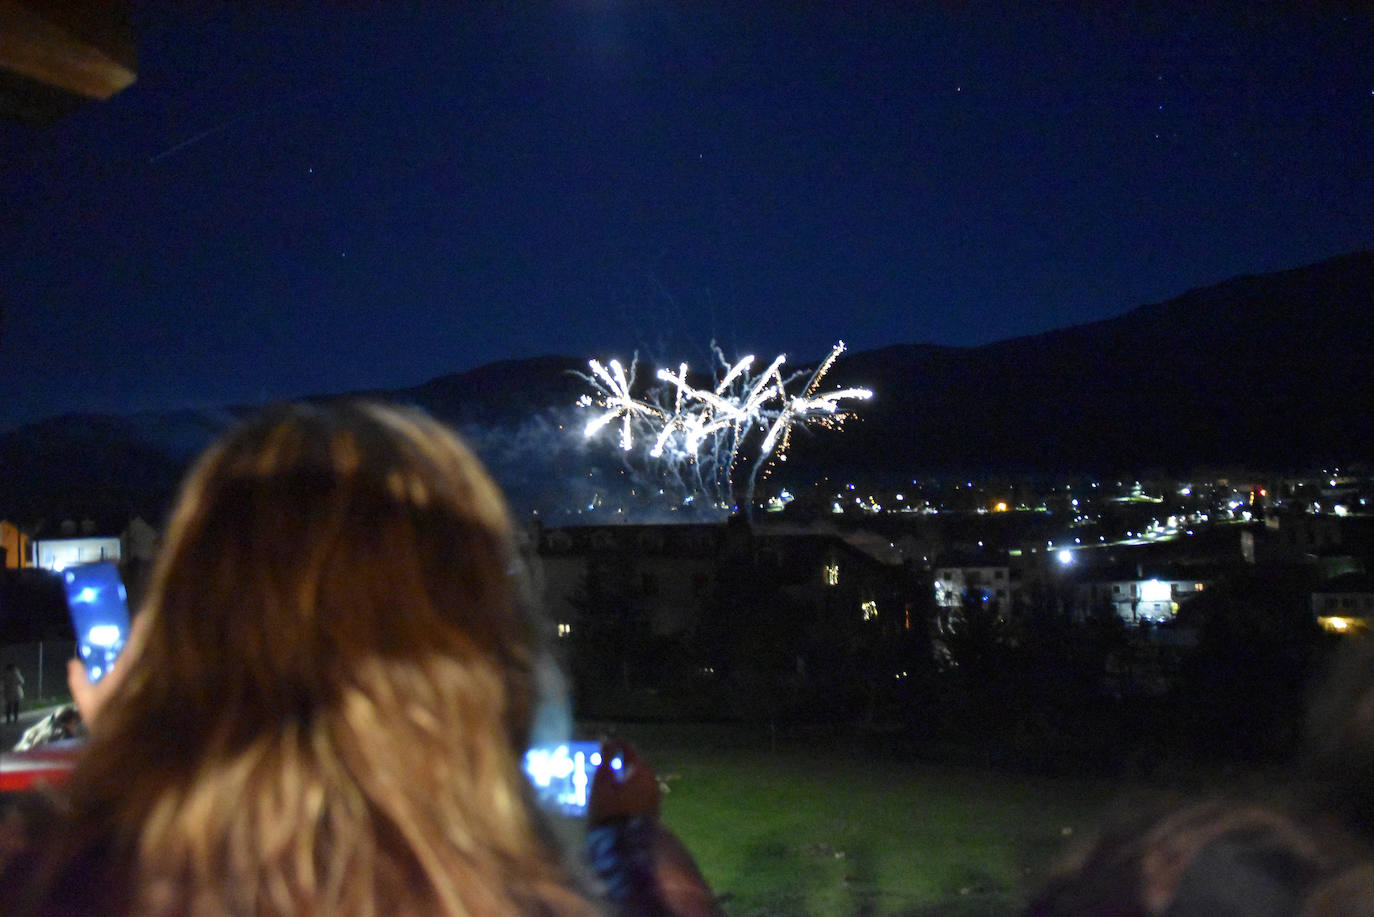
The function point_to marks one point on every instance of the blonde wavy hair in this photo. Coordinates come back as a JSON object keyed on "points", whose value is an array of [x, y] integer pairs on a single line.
{"points": [[329, 703]]}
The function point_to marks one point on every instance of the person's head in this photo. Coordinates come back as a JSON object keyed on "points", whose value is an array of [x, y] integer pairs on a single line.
{"points": [[1213, 858], [67, 721], [332, 678], [1338, 759]]}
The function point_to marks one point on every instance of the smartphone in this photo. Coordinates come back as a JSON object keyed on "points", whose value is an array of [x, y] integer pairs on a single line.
{"points": [[562, 775], [99, 608]]}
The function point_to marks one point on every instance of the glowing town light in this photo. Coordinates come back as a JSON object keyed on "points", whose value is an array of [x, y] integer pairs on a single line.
{"points": [[1065, 557]]}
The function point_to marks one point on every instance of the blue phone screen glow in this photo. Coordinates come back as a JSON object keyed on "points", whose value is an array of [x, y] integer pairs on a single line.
{"points": [[99, 607], [562, 774]]}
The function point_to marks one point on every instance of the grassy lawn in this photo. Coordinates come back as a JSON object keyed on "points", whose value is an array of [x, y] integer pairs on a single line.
{"points": [[815, 828]]}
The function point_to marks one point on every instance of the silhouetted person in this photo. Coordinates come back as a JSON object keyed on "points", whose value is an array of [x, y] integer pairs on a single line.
{"points": [[12, 686]]}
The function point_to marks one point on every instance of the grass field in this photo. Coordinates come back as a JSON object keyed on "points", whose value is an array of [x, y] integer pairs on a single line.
{"points": [[818, 827]]}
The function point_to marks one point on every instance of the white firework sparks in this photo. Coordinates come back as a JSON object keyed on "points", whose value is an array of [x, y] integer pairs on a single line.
{"points": [[697, 433], [808, 405], [615, 390]]}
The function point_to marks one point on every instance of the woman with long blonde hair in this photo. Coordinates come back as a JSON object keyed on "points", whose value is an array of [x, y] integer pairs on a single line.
{"points": [[325, 700]]}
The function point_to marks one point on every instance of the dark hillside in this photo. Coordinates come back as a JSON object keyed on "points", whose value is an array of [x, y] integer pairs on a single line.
{"points": [[1268, 371], [1274, 371]]}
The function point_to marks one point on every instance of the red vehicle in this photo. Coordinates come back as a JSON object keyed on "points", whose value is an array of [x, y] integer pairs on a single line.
{"points": [[47, 764]]}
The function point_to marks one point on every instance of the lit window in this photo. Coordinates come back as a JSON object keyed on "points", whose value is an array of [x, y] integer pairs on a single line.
{"points": [[870, 609], [831, 573], [564, 630]]}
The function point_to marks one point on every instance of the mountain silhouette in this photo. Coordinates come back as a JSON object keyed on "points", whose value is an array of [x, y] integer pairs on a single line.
{"points": [[1268, 372]]}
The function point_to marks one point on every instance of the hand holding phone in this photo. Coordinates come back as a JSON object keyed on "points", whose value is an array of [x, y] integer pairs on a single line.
{"points": [[99, 609], [562, 774], [625, 791]]}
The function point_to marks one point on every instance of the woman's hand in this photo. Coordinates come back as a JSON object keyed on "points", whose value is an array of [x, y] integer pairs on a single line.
{"points": [[630, 790], [90, 698], [646, 868]]}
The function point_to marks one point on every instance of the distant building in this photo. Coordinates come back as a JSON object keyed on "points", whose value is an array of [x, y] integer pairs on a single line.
{"points": [[1300, 535], [971, 580], [667, 571], [128, 542], [670, 573], [57, 554], [1345, 605], [1136, 595], [14, 545], [139, 542]]}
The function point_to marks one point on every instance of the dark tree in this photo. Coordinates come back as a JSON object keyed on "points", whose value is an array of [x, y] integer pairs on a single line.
{"points": [[1243, 687]]}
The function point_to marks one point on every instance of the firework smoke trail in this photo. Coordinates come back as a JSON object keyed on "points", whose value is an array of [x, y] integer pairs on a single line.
{"points": [[697, 433]]}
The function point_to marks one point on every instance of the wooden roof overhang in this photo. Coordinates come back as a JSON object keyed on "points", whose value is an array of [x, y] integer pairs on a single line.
{"points": [[57, 55]]}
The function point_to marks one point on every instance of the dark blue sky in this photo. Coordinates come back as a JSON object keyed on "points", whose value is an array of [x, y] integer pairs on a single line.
{"points": [[290, 202]]}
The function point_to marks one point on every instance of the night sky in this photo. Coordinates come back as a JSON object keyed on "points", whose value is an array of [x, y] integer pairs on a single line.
{"points": [[291, 203]]}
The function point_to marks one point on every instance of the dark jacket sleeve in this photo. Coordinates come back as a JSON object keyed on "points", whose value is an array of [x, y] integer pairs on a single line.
{"points": [[645, 870], [621, 852]]}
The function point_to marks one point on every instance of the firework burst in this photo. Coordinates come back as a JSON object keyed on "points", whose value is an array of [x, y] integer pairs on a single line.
{"points": [[697, 435]]}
